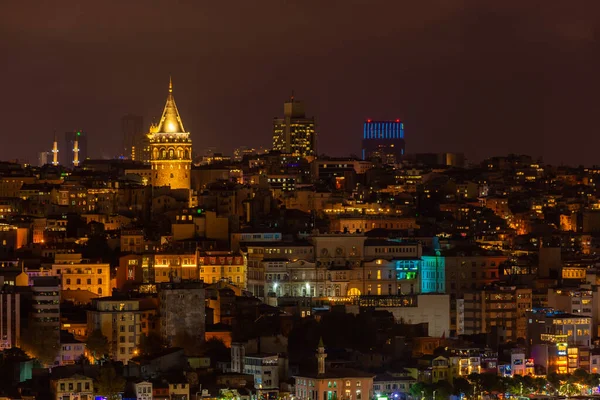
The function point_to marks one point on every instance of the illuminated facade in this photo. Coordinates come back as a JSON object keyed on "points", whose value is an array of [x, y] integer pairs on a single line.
{"points": [[383, 140], [222, 265], [94, 278], [169, 266], [295, 133], [170, 149]]}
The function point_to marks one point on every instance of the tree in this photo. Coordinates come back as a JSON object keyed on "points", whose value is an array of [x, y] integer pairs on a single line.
{"points": [[462, 386], [580, 376], [41, 342], [593, 380], [151, 343], [109, 384], [97, 344], [540, 385], [568, 389], [82, 360], [420, 389], [443, 389], [554, 380]]}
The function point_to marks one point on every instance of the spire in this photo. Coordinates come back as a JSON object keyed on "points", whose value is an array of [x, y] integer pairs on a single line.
{"points": [[170, 122]]}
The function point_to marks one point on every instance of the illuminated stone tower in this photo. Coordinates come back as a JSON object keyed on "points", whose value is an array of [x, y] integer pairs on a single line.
{"points": [[170, 148]]}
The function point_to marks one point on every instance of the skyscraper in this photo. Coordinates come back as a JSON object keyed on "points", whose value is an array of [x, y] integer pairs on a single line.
{"points": [[132, 127], [67, 155], [295, 133], [383, 140], [43, 157], [171, 148]]}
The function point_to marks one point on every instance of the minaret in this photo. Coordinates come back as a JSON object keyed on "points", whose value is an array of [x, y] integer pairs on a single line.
{"points": [[76, 152], [55, 151], [321, 356]]}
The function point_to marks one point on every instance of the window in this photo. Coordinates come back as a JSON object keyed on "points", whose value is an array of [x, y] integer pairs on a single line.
{"points": [[68, 281], [89, 281], [99, 270], [78, 281], [99, 281]]}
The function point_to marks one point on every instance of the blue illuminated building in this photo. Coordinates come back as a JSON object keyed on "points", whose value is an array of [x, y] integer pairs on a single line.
{"points": [[383, 140], [429, 270], [433, 274]]}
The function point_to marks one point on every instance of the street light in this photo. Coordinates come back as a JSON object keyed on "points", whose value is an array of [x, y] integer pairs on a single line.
{"points": [[434, 394]]}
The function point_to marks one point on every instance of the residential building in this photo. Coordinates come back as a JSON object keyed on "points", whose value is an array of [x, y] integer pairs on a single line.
{"points": [[222, 265], [143, 390], [265, 370], [77, 387], [10, 317], [82, 275], [393, 385], [119, 320], [500, 307], [71, 349]]}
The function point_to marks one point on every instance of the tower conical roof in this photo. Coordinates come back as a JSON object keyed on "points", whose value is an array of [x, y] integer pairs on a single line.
{"points": [[170, 122]]}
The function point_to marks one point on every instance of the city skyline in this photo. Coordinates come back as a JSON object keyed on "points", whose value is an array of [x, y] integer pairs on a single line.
{"points": [[463, 79]]}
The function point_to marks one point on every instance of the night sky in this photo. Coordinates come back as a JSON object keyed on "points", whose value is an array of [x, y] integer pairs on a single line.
{"points": [[479, 77]]}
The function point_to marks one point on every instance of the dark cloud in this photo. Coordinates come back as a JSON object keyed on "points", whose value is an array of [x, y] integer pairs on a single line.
{"points": [[480, 77]]}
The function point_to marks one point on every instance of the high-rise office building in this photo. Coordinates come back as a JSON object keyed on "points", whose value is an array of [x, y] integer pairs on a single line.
{"points": [[171, 148], [43, 157], [295, 133], [132, 127], [383, 140], [68, 155]]}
